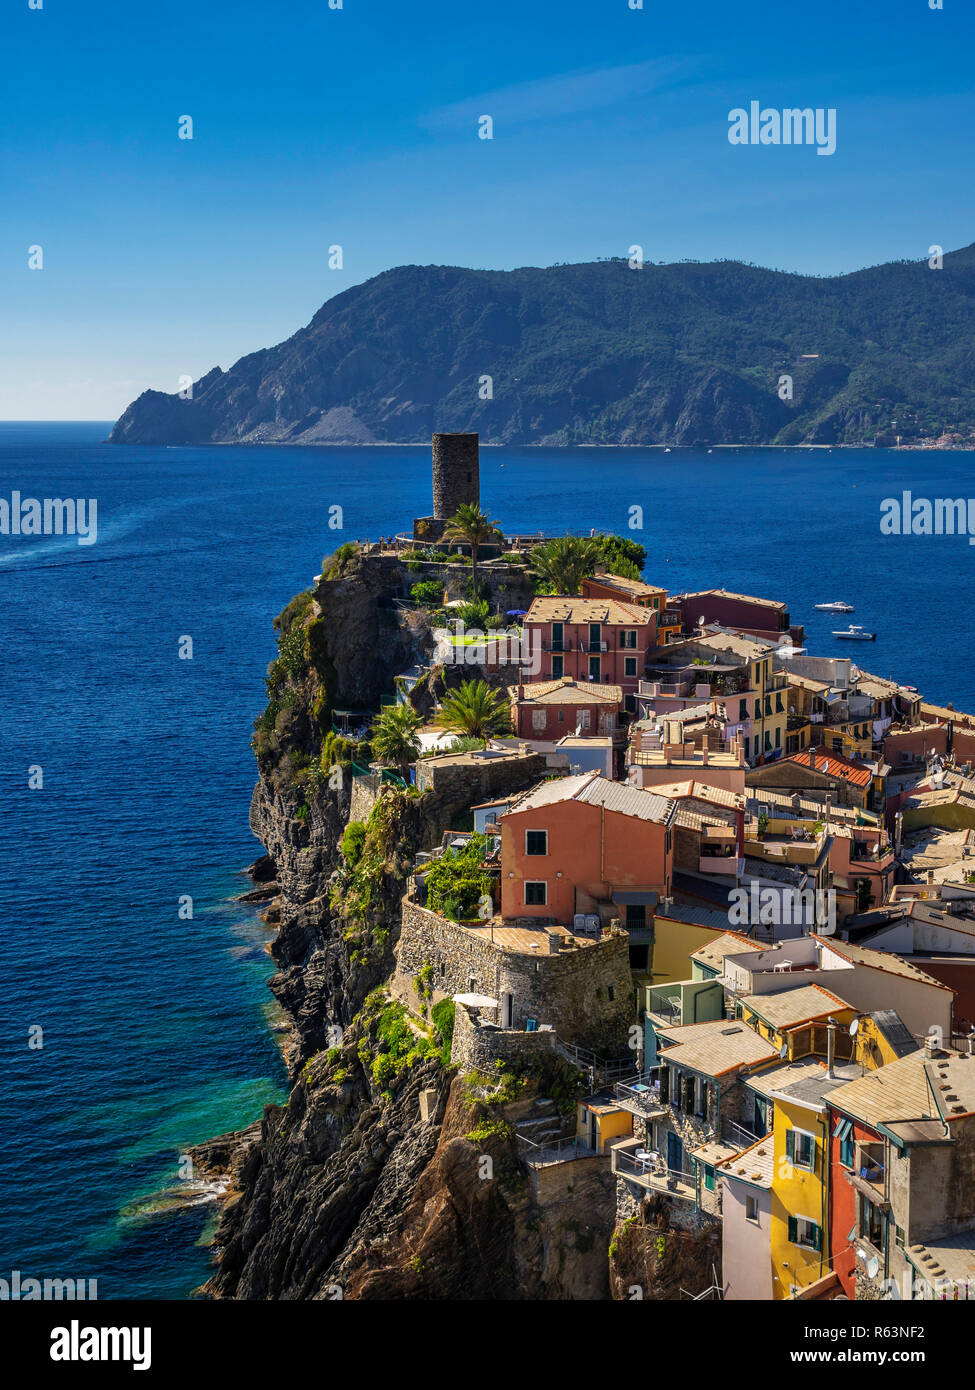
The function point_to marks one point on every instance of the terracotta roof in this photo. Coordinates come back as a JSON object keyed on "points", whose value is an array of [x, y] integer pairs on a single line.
{"points": [[787, 1008], [713, 1153], [806, 682], [833, 764], [732, 943], [567, 691], [878, 960], [729, 642], [898, 1091], [595, 790], [714, 1048], [942, 712], [631, 586], [556, 609], [702, 791], [949, 1260], [742, 598], [755, 1165]]}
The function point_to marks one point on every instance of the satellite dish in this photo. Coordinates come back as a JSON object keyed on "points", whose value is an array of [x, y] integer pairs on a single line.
{"points": [[873, 1267], [854, 1028], [784, 1051]]}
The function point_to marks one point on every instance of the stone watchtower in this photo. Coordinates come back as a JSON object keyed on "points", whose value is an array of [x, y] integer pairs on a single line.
{"points": [[455, 473], [456, 481]]}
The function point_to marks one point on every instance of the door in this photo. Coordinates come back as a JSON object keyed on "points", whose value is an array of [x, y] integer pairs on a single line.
{"points": [[675, 1152]]}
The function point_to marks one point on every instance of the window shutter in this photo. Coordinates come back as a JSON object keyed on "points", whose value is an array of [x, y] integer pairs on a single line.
{"points": [[793, 1230], [790, 1146], [817, 1237]]}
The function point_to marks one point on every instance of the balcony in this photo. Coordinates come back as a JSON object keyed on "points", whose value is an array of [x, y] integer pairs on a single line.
{"points": [[641, 1096], [597, 647], [869, 1174], [633, 1161], [664, 689], [561, 645]]}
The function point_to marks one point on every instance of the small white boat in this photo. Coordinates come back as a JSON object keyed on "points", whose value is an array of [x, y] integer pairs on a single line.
{"points": [[856, 634], [834, 607]]}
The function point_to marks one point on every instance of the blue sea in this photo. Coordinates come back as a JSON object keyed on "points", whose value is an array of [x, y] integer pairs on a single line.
{"points": [[156, 1029]]}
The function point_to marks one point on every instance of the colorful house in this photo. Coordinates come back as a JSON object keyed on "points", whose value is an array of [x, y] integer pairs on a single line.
{"points": [[746, 1222], [602, 641], [815, 770], [548, 710], [795, 1099], [601, 1122], [585, 846], [902, 1145]]}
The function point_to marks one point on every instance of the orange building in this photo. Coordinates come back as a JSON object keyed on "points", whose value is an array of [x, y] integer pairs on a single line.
{"points": [[586, 845]]}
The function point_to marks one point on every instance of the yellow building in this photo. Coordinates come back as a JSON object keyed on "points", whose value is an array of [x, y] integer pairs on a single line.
{"points": [[679, 931], [601, 1122], [792, 1097], [796, 1019]]}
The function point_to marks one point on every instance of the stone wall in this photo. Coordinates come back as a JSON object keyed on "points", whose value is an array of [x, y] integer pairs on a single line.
{"points": [[477, 1047], [480, 779], [363, 799], [585, 993]]}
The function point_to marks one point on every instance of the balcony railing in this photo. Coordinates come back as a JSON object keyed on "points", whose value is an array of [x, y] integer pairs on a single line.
{"points": [[641, 1095], [595, 647], [557, 1151], [563, 645], [649, 1169]]}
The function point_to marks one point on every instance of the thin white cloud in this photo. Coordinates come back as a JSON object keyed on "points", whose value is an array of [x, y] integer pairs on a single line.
{"points": [[566, 94]]}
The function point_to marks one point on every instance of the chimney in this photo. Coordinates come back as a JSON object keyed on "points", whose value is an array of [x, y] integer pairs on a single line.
{"points": [[704, 756], [830, 1047]]}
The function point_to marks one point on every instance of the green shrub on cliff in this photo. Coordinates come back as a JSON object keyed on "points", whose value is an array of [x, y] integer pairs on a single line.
{"points": [[443, 1015], [336, 565], [456, 883], [353, 839], [427, 591]]}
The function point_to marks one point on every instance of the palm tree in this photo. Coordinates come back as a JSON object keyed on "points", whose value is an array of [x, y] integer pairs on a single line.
{"points": [[470, 524], [563, 563], [393, 736], [475, 710]]}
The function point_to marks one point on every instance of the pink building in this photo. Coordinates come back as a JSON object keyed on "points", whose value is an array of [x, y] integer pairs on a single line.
{"points": [[552, 709], [599, 641]]}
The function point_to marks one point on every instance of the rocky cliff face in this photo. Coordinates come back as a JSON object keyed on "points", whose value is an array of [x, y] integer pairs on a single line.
{"points": [[352, 1189], [601, 354]]}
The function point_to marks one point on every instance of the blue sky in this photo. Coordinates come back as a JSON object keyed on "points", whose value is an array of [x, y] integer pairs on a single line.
{"points": [[358, 127]]}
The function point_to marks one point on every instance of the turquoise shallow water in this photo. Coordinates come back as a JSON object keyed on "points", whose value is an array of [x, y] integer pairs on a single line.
{"points": [[155, 1029]]}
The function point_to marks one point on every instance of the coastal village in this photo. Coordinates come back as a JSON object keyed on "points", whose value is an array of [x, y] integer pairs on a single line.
{"points": [[729, 883]]}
